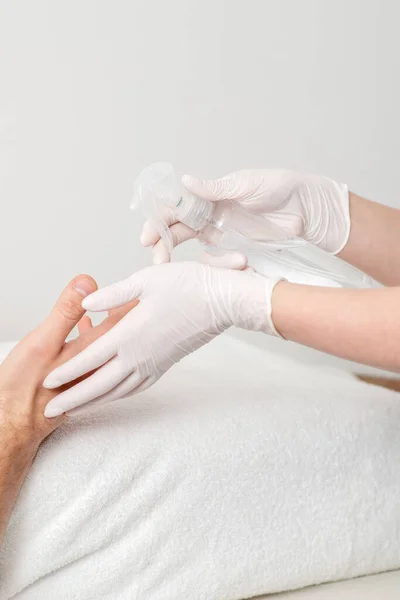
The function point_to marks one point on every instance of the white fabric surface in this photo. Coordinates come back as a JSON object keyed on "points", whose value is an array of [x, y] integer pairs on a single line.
{"points": [[238, 474], [385, 586]]}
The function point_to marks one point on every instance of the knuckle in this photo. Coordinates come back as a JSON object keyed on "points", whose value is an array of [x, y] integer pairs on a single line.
{"points": [[169, 215], [69, 310], [176, 238]]}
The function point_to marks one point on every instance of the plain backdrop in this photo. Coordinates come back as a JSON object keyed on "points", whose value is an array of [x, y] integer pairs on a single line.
{"points": [[92, 91]]}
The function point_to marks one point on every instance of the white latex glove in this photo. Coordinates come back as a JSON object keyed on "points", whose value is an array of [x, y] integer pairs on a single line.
{"points": [[310, 206], [182, 307]]}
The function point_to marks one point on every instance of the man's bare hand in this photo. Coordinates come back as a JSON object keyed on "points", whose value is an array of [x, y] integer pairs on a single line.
{"points": [[23, 425], [22, 397]]}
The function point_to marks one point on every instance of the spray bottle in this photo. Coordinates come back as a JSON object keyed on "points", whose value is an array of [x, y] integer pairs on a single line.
{"points": [[225, 227]]}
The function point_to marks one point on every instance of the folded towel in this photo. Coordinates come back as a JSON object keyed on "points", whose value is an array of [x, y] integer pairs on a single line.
{"points": [[238, 474]]}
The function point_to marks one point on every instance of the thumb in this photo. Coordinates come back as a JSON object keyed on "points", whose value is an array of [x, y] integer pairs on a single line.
{"points": [[229, 260], [67, 311], [116, 294], [209, 189]]}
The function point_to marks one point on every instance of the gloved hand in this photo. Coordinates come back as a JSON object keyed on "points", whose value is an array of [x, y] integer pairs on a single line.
{"points": [[182, 307], [310, 206]]}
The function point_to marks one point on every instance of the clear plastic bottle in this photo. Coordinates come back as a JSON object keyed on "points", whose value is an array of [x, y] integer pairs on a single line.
{"points": [[225, 226]]}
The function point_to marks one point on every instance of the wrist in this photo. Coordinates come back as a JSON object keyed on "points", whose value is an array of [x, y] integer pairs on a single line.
{"points": [[326, 207], [250, 297], [17, 454], [345, 198], [279, 316], [17, 443]]}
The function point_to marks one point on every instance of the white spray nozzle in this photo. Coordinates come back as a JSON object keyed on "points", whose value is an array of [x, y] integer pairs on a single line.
{"points": [[155, 189]]}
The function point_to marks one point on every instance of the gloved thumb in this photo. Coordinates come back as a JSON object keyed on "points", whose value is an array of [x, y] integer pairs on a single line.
{"points": [[115, 295], [230, 260], [209, 189]]}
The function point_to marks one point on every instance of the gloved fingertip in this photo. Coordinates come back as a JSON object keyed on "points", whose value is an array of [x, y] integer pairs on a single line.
{"points": [[188, 180], [158, 259], [160, 253], [149, 235], [249, 270], [193, 184], [51, 382], [237, 261], [234, 260], [205, 188], [90, 301], [145, 241], [148, 238], [99, 301], [52, 410]]}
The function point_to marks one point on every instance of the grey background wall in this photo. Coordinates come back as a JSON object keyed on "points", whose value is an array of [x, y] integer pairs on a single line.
{"points": [[92, 91]]}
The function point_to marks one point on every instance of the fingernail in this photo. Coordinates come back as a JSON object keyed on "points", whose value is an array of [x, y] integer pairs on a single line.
{"points": [[83, 287], [52, 411]]}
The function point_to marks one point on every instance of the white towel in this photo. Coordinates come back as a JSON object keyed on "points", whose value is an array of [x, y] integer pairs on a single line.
{"points": [[239, 473]]}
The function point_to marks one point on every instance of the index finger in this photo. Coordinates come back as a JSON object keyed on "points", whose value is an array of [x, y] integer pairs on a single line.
{"points": [[150, 234], [93, 357]]}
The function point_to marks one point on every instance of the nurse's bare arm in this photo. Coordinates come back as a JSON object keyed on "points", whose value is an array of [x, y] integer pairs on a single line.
{"points": [[359, 325], [374, 242]]}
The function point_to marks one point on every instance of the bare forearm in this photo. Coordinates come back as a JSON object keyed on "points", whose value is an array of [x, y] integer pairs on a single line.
{"points": [[16, 458], [374, 242], [359, 325]]}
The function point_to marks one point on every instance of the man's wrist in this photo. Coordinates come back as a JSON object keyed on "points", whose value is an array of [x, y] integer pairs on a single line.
{"points": [[17, 453], [17, 443]]}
